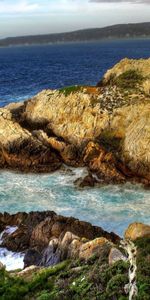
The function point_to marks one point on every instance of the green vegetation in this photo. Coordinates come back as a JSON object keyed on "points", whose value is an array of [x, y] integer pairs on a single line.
{"points": [[91, 280], [70, 89], [14, 288], [128, 80], [143, 267]]}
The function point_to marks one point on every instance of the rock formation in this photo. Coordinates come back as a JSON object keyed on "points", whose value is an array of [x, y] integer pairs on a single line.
{"points": [[48, 238], [66, 258], [105, 128]]}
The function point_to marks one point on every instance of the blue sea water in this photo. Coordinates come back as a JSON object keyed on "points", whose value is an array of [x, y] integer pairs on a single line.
{"points": [[24, 71]]}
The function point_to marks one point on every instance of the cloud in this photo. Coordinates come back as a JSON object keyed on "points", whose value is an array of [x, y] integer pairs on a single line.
{"points": [[23, 6], [121, 1], [42, 7], [58, 7]]}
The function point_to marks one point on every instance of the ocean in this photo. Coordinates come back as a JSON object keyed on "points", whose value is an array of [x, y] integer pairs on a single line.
{"points": [[24, 71]]}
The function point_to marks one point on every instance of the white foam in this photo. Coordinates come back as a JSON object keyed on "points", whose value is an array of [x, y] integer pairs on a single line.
{"points": [[12, 261], [8, 230], [112, 207], [8, 258]]}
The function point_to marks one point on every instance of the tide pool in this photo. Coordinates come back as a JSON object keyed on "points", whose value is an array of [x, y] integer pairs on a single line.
{"points": [[112, 207]]}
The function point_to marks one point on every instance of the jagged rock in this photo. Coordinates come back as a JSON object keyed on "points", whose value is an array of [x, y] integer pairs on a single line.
{"points": [[18, 240], [67, 244], [69, 153], [57, 226], [137, 230], [87, 181], [103, 164], [19, 149], [41, 234], [48, 238], [30, 219]]}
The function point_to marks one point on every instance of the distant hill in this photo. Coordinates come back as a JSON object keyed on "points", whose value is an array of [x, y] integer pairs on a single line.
{"points": [[139, 30]]}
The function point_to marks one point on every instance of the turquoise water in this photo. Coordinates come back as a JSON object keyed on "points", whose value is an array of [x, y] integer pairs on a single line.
{"points": [[111, 207]]}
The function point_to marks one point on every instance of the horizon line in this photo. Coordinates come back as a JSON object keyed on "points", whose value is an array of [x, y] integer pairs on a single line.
{"points": [[72, 31]]}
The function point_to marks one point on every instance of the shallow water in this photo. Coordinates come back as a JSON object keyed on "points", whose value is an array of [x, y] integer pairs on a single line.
{"points": [[112, 207]]}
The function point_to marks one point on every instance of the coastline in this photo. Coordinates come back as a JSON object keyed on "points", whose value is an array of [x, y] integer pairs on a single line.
{"points": [[105, 129]]}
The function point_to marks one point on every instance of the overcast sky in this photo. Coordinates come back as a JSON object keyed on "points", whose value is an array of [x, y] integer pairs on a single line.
{"points": [[23, 17]]}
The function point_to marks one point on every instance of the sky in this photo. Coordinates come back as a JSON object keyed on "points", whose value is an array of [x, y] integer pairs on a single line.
{"points": [[28, 17]]}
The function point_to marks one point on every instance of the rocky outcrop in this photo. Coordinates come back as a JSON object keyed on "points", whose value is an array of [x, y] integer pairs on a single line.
{"points": [[48, 238], [105, 128], [75, 117], [129, 71]]}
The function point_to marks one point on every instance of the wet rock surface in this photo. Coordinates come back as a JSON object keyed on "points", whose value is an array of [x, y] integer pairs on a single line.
{"points": [[48, 238]]}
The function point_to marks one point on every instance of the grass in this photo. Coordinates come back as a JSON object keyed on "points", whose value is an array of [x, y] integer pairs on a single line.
{"points": [[129, 79], [95, 280], [70, 89]]}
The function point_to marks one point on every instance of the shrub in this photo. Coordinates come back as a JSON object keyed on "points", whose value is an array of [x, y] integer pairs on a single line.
{"points": [[129, 79]]}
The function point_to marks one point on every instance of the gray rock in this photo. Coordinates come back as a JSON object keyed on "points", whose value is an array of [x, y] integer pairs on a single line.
{"points": [[115, 255]]}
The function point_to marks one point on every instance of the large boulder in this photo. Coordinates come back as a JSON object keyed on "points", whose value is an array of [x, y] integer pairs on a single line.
{"points": [[137, 230], [94, 248], [116, 255]]}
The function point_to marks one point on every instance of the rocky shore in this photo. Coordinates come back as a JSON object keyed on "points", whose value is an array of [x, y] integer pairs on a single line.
{"points": [[105, 128], [66, 258]]}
